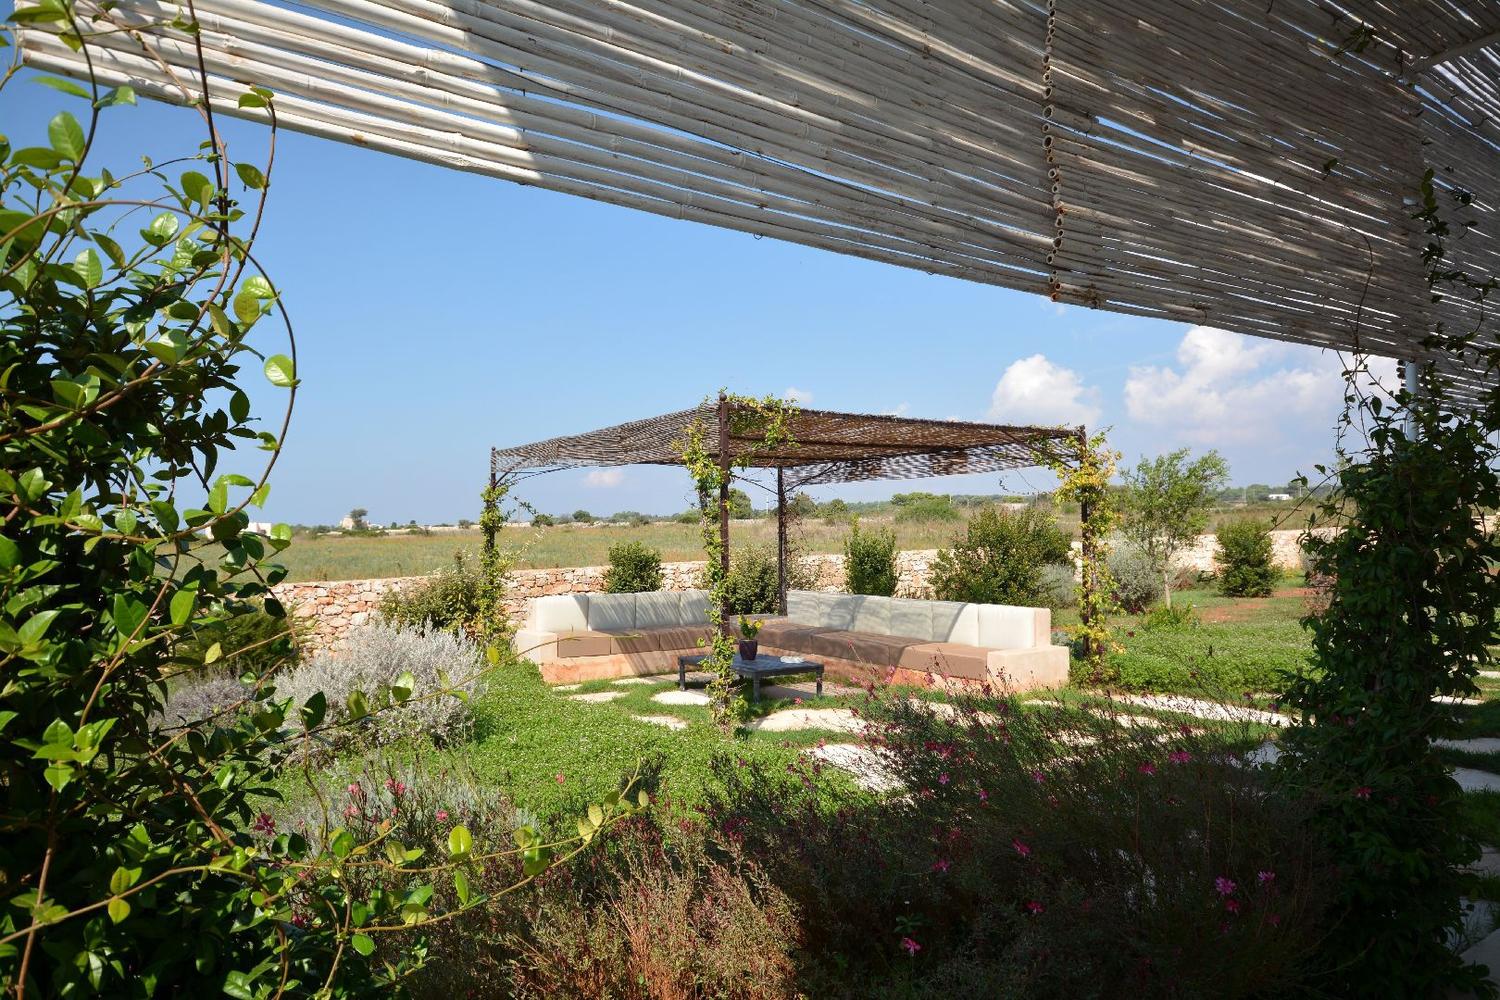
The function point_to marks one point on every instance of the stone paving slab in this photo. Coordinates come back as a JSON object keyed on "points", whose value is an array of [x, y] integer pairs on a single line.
{"points": [[1204, 709], [644, 680], [597, 696], [1473, 780], [1483, 744], [567, 687], [1448, 699], [1491, 674], [675, 697], [867, 766], [805, 690], [791, 719], [669, 721]]}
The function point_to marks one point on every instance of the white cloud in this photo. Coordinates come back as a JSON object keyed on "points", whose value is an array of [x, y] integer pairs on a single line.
{"points": [[1036, 391], [898, 411], [799, 396], [1227, 387], [604, 478]]}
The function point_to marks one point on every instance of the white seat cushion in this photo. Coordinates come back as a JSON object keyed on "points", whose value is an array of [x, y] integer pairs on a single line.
{"points": [[839, 610], [658, 608], [560, 613], [1002, 626], [612, 611], [693, 607], [806, 607]]}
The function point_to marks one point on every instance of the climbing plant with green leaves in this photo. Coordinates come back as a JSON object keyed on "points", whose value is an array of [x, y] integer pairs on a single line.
{"points": [[767, 421], [134, 856], [1083, 474], [1411, 618]]}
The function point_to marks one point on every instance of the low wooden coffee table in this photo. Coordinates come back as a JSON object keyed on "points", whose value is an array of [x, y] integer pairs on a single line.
{"points": [[764, 665]]}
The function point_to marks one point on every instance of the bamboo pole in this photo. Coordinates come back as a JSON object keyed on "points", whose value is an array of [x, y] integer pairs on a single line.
{"points": [[1087, 552]]}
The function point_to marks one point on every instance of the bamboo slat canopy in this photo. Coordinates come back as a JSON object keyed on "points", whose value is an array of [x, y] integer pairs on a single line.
{"points": [[827, 447], [1247, 164]]}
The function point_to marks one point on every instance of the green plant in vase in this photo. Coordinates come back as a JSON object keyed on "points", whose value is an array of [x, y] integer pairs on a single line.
{"points": [[749, 633]]}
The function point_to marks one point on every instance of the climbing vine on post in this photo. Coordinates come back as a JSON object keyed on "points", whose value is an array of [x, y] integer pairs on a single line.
{"points": [[769, 420], [494, 623], [1083, 478]]}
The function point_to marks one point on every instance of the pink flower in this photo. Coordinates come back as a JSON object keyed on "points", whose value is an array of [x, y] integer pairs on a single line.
{"points": [[796, 701], [561, 777], [1225, 886], [943, 778], [1147, 769], [1363, 792], [442, 815], [1038, 777], [984, 796], [1022, 848], [1034, 908], [941, 865], [911, 946], [355, 791], [1265, 878], [1179, 756], [264, 824], [1232, 905], [351, 811]]}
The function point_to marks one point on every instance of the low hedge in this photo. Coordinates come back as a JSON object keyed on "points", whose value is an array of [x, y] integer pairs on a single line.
{"points": [[1213, 657]]}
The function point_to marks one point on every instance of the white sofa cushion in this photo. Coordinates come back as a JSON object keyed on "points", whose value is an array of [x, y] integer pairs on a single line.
{"points": [[560, 613], [805, 607], [658, 608], [839, 610], [612, 611], [873, 614], [693, 607], [911, 619], [1002, 626], [954, 621]]}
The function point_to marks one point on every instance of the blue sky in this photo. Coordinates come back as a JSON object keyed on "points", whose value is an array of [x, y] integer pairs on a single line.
{"points": [[439, 313]]}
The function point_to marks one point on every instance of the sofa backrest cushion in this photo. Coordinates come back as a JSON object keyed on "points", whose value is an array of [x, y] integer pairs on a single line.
{"points": [[612, 611], [954, 621], [693, 607], [1004, 627], [873, 614], [560, 613], [912, 619], [658, 608]]}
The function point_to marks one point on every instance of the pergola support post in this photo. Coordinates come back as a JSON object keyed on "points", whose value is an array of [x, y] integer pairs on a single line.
{"points": [[1086, 553], [781, 547], [724, 465]]}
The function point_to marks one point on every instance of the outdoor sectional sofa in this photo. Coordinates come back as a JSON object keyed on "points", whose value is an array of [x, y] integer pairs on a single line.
{"points": [[579, 637]]}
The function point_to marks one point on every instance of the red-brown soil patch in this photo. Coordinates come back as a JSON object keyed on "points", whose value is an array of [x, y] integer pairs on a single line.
{"points": [[1244, 608]]}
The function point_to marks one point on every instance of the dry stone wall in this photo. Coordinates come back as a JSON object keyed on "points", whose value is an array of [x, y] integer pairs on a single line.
{"points": [[328, 610]]}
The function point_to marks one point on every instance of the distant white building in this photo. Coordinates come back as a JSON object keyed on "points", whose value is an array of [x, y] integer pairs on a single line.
{"points": [[1278, 496]]}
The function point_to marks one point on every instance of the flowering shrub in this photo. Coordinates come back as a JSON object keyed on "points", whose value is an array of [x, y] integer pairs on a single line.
{"points": [[428, 661], [1038, 854]]}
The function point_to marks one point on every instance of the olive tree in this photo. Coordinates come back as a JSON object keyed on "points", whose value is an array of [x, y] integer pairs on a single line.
{"points": [[1167, 502]]}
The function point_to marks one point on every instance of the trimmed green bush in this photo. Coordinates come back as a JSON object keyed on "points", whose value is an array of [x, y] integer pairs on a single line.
{"points": [[999, 558], [870, 561], [1244, 556], [633, 569], [449, 600], [1214, 658], [751, 586]]}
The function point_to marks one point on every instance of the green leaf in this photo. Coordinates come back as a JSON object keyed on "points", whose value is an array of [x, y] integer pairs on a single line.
{"points": [[342, 843], [363, 943], [460, 843], [596, 815], [65, 86], [358, 705], [461, 886], [119, 95], [123, 879], [36, 626], [181, 606], [119, 909], [10, 553], [162, 229], [58, 775], [314, 710], [404, 686], [197, 187], [89, 268], [279, 370], [66, 136], [213, 653], [250, 176]]}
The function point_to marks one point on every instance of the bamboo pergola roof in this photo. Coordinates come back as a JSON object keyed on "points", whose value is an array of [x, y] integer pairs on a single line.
{"points": [[826, 447], [1247, 164]]}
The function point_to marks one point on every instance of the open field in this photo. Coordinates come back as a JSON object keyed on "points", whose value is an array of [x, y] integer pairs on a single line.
{"points": [[366, 556]]}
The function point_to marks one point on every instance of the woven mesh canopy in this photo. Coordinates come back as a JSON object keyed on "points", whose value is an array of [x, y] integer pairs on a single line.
{"points": [[826, 447], [1253, 165]]}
